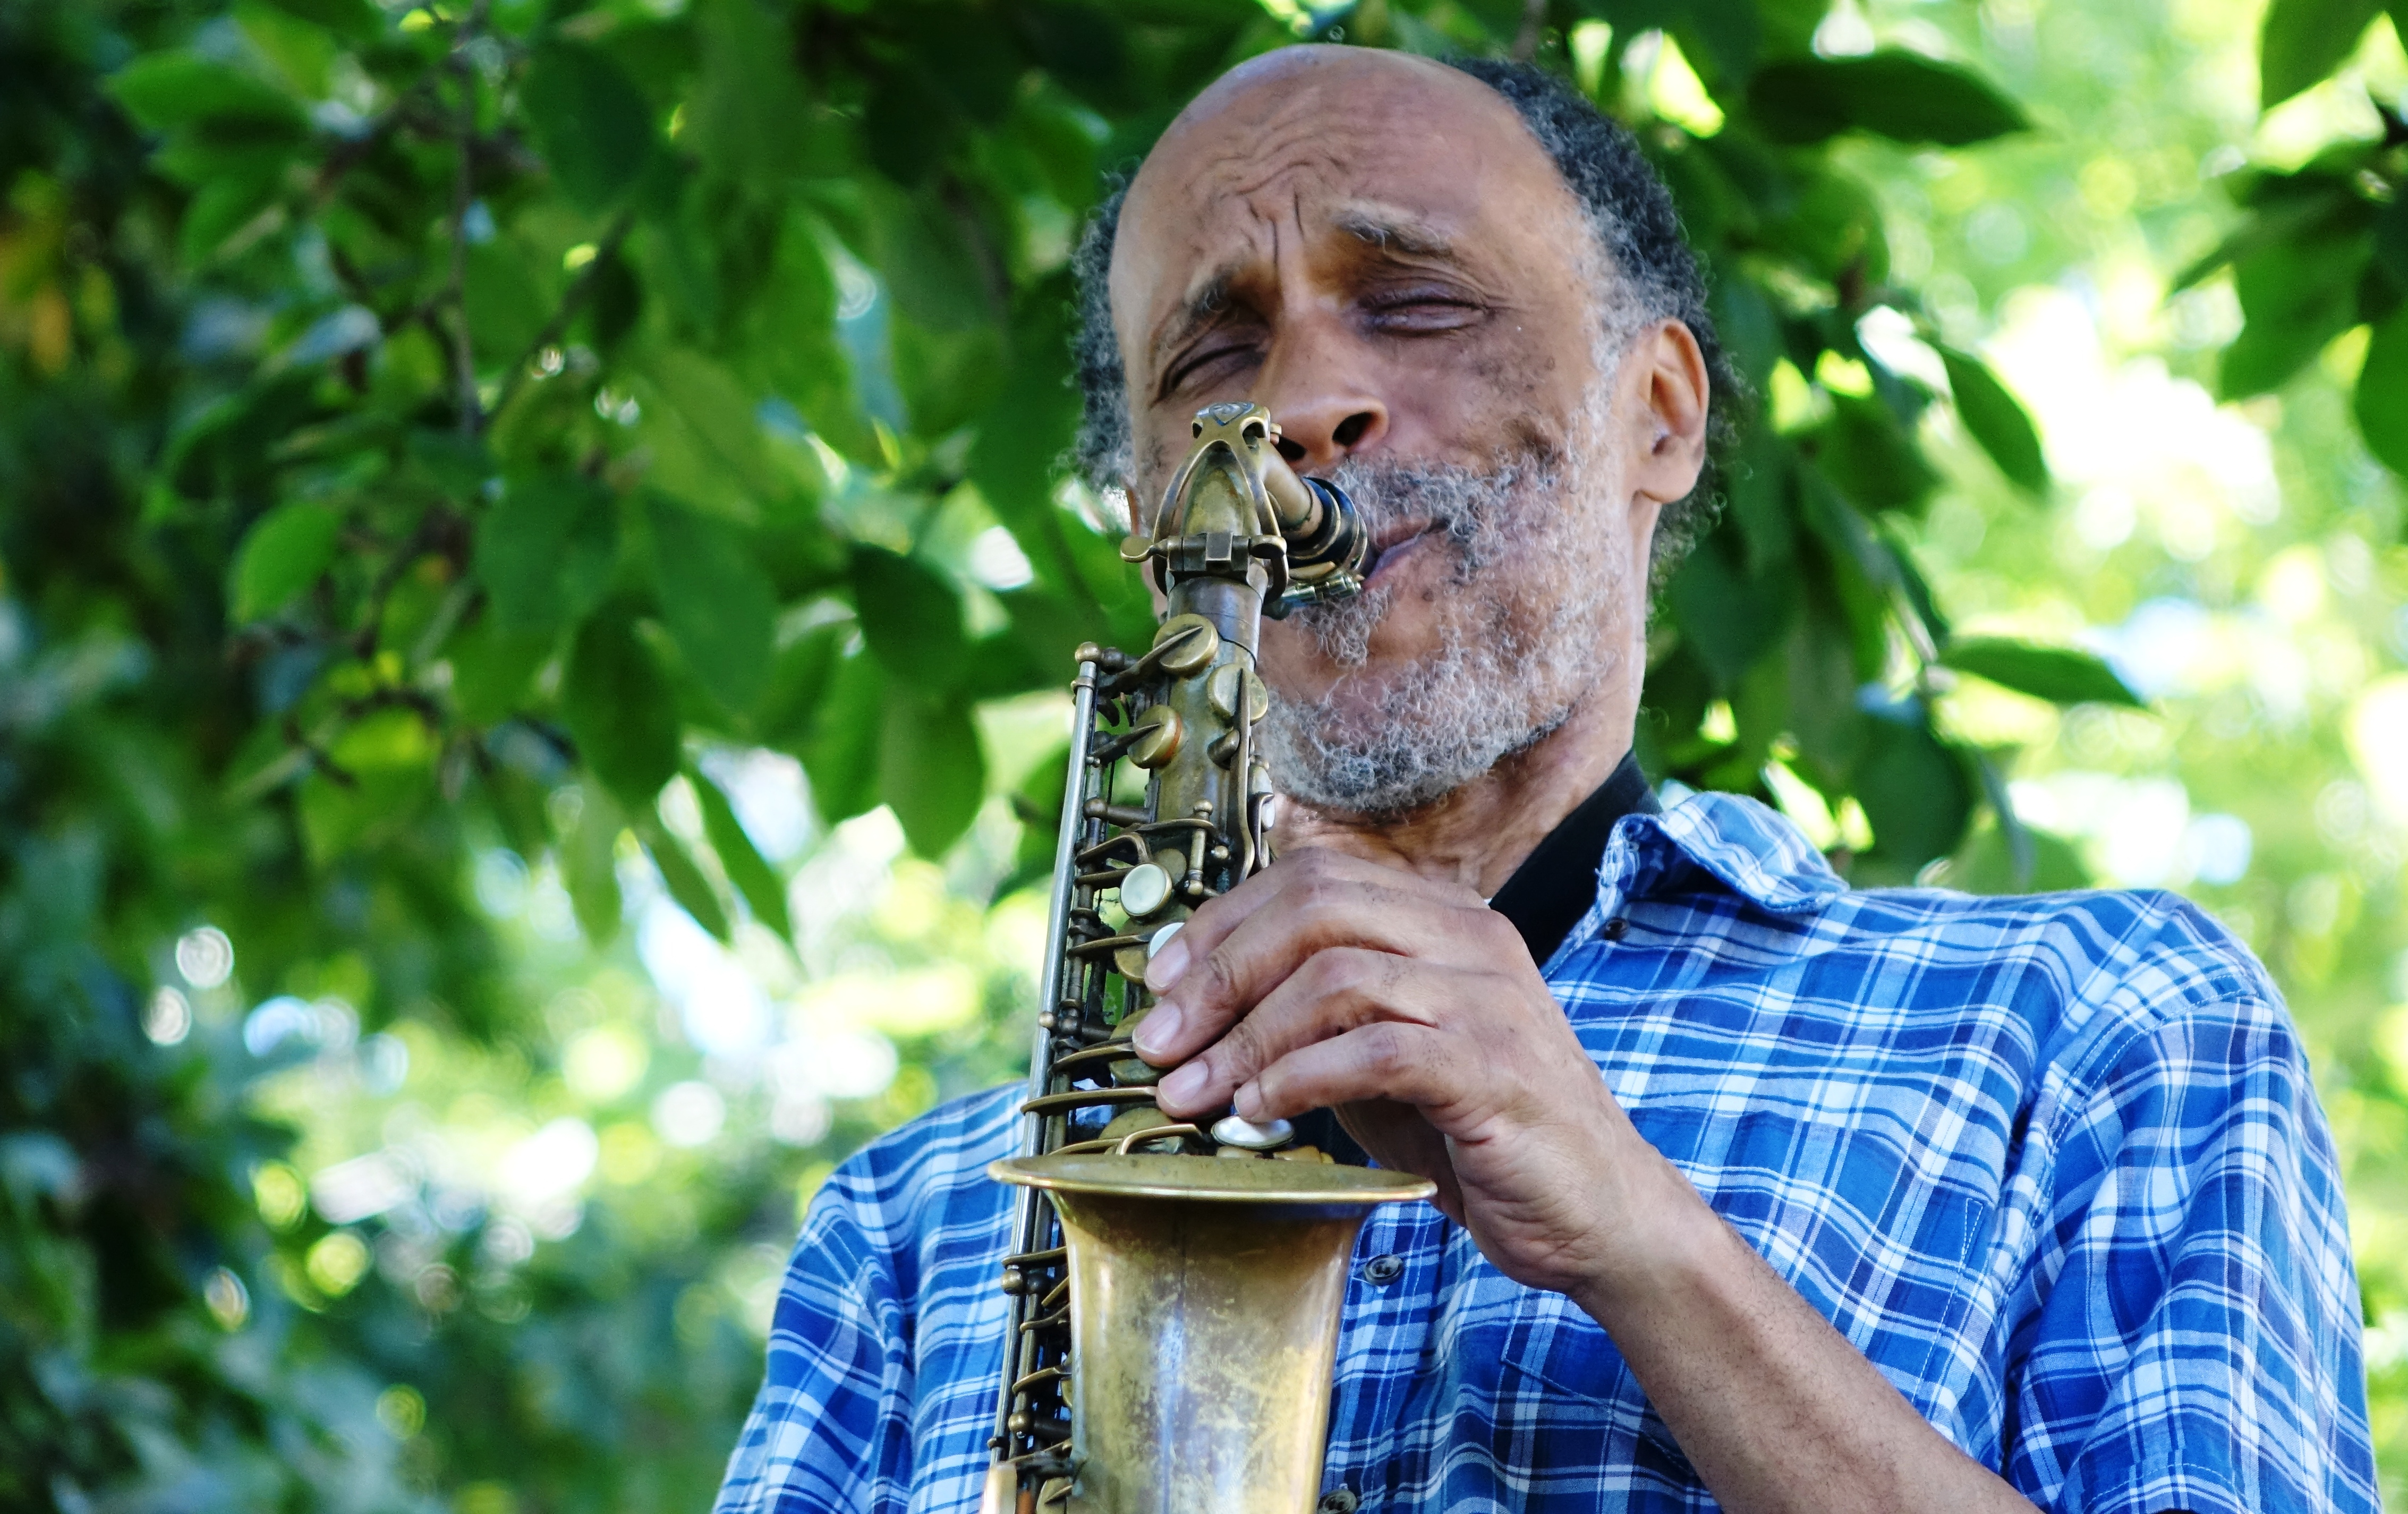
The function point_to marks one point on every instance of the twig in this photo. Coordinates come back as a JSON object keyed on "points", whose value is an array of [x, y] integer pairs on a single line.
{"points": [[433, 528], [464, 357], [570, 303], [1526, 42]]}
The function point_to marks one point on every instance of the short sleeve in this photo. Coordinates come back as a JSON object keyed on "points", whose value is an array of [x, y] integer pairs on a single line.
{"points": [[830, 1429], [2196, 1345]]}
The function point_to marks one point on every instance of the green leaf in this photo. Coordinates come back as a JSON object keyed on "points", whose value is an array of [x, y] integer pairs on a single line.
{"points": [[755, 879], [282, 554], [507, 306], [1729, 618], [685, 879], [2297, 296], [592, 123], [546, 551], [911, 616], [748, 115], [788, 709], [705, 436], [1872, 458], [2060, 675], [1037, 804], [589, 864], [1903, 95], [223, 207], [378, 775], [2391, 230], [1821, 678], [841, 753], [618, 705], [490, 669], [1997, 421], [2382, 400], [715, 600], [1987, 862], [2302, 41], [350, 17], [931, 770], [166, 89], [928, 254], [1916, 794]]}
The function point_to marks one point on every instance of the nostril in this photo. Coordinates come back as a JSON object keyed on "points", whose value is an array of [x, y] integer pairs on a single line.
{"points": [[1291, 450], [1350, 430]]}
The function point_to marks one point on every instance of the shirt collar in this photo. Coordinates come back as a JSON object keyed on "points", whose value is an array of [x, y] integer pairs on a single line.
{"points": [[1748, 849]]}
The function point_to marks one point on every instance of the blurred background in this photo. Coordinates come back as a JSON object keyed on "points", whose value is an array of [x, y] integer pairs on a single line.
{"points": [[536, 573]]}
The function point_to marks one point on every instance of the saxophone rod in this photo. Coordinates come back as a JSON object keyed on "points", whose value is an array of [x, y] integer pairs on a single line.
{"points": [[1074, 793]]}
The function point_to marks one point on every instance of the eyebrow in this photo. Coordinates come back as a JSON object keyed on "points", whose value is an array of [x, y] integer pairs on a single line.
{"points": [[1390, 231]]}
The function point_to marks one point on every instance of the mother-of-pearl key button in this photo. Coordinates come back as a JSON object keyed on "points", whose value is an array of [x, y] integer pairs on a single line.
{"points": [[1230, 1130], [1144, 889]]}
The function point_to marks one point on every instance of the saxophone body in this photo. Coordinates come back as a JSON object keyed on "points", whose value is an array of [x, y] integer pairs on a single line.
{"points": [[1173, 1287]]}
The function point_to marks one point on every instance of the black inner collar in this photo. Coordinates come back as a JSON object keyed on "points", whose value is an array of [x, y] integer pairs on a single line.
{"points": [[1545, 898], [1557, 882]]}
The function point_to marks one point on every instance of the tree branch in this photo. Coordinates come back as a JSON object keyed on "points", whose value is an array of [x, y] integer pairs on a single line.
{"points": [[1526, 42], [570, 303], [464, 356]]}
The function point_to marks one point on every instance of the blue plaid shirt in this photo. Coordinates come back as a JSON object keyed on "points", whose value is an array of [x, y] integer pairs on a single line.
{"points": [[2053, 1164]]}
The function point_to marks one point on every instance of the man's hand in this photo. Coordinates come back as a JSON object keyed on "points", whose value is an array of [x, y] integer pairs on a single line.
{"points": [[1414, 1010]]}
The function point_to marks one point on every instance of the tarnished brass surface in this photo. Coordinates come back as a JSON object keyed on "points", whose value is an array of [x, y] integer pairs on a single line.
{"points": [[1174, 1291], [1204, 1304]]}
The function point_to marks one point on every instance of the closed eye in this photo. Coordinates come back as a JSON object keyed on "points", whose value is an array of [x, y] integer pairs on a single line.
{"points": [[1193, 365], [1427, 310]]}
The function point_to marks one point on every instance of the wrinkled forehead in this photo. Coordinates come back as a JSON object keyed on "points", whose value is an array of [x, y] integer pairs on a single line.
{"points": [[1378, 148]]}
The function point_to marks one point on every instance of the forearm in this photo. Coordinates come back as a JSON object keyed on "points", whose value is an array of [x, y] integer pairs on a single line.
{"points": [[1773, 1406]]}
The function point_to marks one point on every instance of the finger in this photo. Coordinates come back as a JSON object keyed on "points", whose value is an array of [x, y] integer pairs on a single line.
{"points": [[1318, 912], [1333, 992], [1217, 918], [1422, 1065]]}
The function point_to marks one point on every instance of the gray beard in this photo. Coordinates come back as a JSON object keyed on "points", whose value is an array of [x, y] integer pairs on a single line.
{"points": [[1520, 620]]}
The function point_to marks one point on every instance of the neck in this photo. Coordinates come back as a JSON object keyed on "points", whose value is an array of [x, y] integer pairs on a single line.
{"points": [[1479, 833]]}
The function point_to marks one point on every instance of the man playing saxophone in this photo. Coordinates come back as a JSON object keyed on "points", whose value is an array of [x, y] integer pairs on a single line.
{"points": [[1754, 1191]]}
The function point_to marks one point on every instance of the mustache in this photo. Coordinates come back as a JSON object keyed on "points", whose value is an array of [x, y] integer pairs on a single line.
{"points": [[1473, 514]]}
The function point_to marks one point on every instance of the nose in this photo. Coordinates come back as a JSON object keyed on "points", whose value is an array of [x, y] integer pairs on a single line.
{"points": [[1325, 410]]}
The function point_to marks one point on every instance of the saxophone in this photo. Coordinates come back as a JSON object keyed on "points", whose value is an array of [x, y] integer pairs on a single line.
{"points": [[1173, 1288]]}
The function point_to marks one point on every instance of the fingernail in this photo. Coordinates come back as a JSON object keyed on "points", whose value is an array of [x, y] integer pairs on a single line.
{"points": [[1158, 1031], [1184, 1085], [1249, 1102], [1164, 970]]}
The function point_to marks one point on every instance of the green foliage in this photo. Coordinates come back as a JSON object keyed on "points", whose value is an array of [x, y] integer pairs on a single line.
{"points": [[2303, 40], [2323, 248], [2383, 392], [1905, 96], [2057, 674], [1997, 420]]}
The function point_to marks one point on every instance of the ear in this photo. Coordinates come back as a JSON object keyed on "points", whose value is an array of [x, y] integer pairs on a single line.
{"points": [[1667, 392]]}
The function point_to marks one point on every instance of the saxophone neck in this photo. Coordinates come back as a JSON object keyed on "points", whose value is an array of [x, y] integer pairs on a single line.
{"points": [[1238, 534]]}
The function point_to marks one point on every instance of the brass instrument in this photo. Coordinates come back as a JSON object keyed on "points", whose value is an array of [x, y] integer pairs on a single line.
{"points": [[1174, 1287]]}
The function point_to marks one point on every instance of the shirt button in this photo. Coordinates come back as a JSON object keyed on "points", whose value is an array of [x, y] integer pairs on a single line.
{"points": [[1339, 1501], [1382, 1269], [1617, 928]]}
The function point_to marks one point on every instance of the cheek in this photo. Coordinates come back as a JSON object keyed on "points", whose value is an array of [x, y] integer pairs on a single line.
{"points": [[1504, 397]]}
